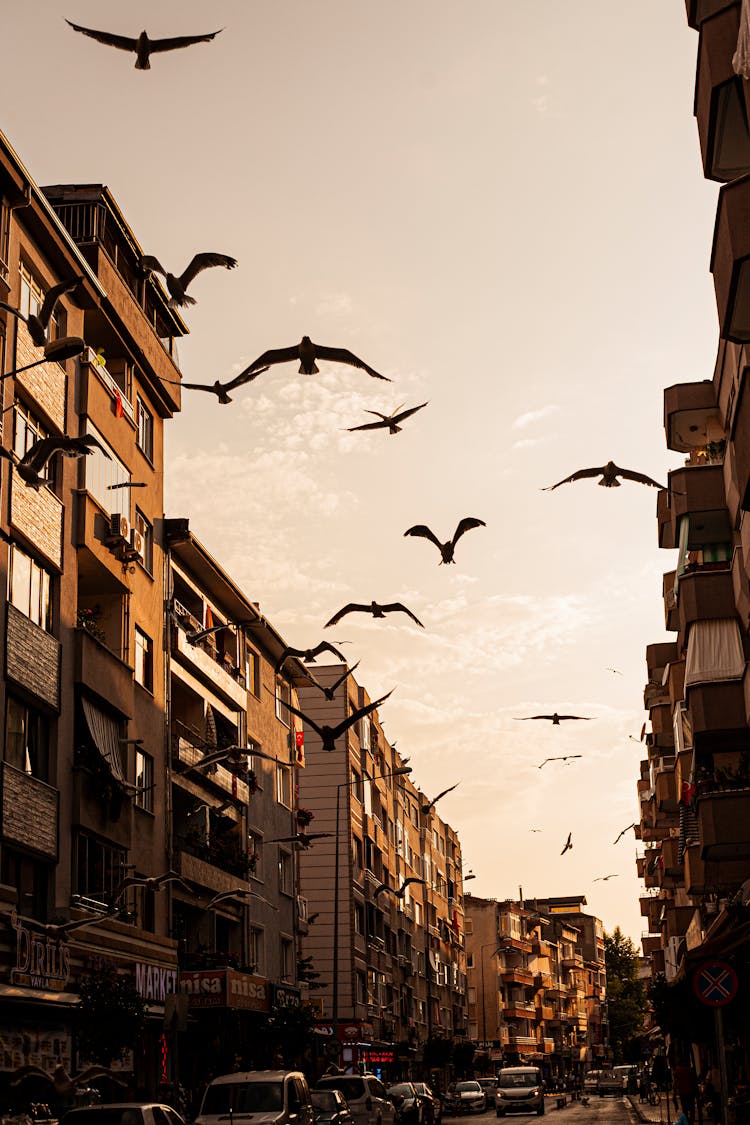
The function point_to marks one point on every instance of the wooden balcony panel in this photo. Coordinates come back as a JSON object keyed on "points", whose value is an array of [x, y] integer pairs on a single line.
{"points": [[30, 813], [703, 594], [668, 593], [730, 258], [698, 11], [667, 537], [720, 100], [691, 416], [697, 488], [724, 824], [650, 943], [103, 673], [717, 707]]}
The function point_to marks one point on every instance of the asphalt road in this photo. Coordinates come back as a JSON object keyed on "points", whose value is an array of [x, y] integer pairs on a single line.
{"points": [[599, 1111]]}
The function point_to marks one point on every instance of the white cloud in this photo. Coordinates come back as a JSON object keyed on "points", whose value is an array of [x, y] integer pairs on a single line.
{"points": [[531, 416]]}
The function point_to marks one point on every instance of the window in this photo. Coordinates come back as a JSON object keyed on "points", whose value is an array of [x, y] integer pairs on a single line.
{"points": [[146, 532], [469, 960], [30, 880], [252, 672], [144, 780], [364, 732], [32, 297], [418, 912], [29, 588], [257, 950], [26, 430], [26, 739], [361, 985], [145, 428], [469, 925], [105, 477], [286, 950], [99, 867], [144, 660], [4, 238], [359, 918], [356, 786], [283, 695], [255, 848], [286, 873], [284, 786]]}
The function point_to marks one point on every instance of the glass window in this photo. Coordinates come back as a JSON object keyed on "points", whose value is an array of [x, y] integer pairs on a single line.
{"points": [[286, 873], [257, 950], [284, 786], [144, 660], [146, 532], [26, 430], [145, 428], [32, 297], [26, 739], [287, 959], [283, 695], [255, 848], [144, 780], [252, 671], [29, 587], [107, 478], [99, 867]]}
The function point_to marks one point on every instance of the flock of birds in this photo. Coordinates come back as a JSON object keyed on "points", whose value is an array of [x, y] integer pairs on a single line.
{"points": [[32, 470]]}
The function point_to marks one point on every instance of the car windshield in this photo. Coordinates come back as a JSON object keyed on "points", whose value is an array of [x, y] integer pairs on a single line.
{"points": [[468, 1088], [351, 1088], [516, 1081], [243, 1097], [423, 1088], [105, 1115], [403, 1088], [325, 1099]]}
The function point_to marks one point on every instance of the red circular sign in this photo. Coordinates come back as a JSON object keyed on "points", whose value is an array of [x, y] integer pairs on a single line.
{"points": [[715, 983]]}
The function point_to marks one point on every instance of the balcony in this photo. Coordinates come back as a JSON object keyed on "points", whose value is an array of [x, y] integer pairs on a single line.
{"points": [[29, 813], [698, 11], [720, 106], [517, 976], [740, 451], [697, 488], [691, 416], [669, 594], [103, 673], [671, 866], [32, 657], [718, 708], [664, 520], [650, 943], [678, 919], [215, 864], [544, 1012], [730, 260], [186, 754], [704, 590], [205, 663], [724, 824], [665, 786]]}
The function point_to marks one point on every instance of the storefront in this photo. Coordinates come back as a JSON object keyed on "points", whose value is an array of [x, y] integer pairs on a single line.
{"points": [[226, 1016]]}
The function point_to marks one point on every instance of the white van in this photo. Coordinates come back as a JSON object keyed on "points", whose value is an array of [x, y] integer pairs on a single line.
{"points": [[519, 1090], [268, 1097]]}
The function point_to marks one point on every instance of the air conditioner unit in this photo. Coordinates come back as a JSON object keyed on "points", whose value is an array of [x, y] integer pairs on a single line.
{"points": [[136, 542], [119, 529]]}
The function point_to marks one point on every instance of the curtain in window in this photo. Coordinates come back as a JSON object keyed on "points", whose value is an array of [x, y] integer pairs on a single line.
{"points": [[105, 734], [714, 652]]}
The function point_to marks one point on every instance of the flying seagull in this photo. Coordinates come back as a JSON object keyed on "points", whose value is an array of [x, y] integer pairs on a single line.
{"points": [[328, 734], [609, 474], [604, 878], [303, 839], [641, 737], [446, 549], [330, 692], [563, 758], [388, 422], [233, 755], [38, 323], [375, 609], [177, 286], [238, 892], [399, 893], [615, 671], [143, 47], [308, 654], [60, 933], [568, 844], [307, 352], [221, 390], [535, 829], [34, 461], [633, 825], [554, 718], [201, 634], [150, 882], [425, 808]]}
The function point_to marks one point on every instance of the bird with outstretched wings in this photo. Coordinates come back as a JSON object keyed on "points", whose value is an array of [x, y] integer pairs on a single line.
{"points": [[375, 609], [400, 891], [328, 734], [221, 390], [307, 353], [177, 285], [425, 808], [604, 878], [308, 654], [329, 690], [143, 47], [554, 718], [201, 634], [633, 825], [446, 549], [609, 474], [38, 323], [31, 466], [302, 839], [568, 844], [388, 422], [150, 882], [560, 758], [640, 737]]}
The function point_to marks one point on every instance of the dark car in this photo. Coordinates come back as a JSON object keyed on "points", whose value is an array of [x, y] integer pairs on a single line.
{"points": [[409, 1105], [330, 1108], [123, 1113], [430, 1097]]}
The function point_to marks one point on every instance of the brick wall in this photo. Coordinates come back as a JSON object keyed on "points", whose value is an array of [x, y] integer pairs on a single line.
{"points": [[39, 515], [32, 658], [46, 384], [29, 812]]}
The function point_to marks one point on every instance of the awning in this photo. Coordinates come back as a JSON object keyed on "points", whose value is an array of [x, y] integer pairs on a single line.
{"points": [[714, 652], [106, 735], [38, 995]]}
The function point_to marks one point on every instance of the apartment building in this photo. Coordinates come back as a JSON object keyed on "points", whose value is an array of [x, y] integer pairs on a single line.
{"points": [[536, 984], [391, 966], [694, 785]]}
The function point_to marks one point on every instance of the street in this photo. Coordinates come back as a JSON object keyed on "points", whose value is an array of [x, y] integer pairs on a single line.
{"points": [[598, 1112]]}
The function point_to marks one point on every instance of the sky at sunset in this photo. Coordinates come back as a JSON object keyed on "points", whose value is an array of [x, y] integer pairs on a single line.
{"points": [[501, 207]]}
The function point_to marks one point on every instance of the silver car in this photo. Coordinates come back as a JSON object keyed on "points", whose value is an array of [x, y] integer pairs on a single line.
{"points": [[519, 1090]]}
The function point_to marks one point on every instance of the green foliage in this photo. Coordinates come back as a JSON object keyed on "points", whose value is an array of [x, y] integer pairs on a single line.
{"points": [[625, 995], [463, 1056], [289, 1032], [112, 1016]]}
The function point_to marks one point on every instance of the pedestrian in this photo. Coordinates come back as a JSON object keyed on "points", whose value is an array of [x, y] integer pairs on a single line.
{"points": [[644, 1086], [685, 1089], [712, 1091]]}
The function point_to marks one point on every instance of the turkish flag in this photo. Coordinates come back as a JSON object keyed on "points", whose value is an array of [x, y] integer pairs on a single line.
{"points": [[119, 409]]}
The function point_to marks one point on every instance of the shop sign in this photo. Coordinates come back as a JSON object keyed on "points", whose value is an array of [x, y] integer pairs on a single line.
{"points": [[34, 1045], [41, 962], [249, 993], [154, 982], [283, 996], [379, 1058], [225, 988]]}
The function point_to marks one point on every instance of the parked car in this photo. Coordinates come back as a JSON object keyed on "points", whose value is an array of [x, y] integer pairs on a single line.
{"points": [[123, 1113], [365, 1095], [270, 1097], [330, 1108], [519, 1090], [626, 1073], [591, 1081], [469, 1097], [489, 1085], [409, 1105], [609, 1082], [429, 1094]]}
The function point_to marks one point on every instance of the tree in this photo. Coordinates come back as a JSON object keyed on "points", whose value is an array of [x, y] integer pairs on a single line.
{"points": [[113, 1014], [625, 996]]}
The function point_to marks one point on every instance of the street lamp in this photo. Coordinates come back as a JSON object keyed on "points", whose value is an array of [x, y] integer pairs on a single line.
{"points": [[60, 350], [337, 866]]}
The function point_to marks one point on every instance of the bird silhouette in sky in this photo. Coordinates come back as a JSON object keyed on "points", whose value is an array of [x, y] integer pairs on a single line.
{"points": [[330, 691], [604, 878], [143, 47], [562, 758], [38, 323], [554, 718], [641, 737], [375, 609], [221, 390], [615, 671], [34, 461], [568, 844], [177, 286], [238, 892], [633, 825], [535, 829], [150, 882], [388, 421], [609, 474], [425, 807], [328, 734], [446, 549], [308, 654], [400, 891], [302, 839], [307, 352]]}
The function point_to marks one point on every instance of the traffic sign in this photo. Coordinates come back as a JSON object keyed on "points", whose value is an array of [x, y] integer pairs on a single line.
{"points": [[715, 983]]}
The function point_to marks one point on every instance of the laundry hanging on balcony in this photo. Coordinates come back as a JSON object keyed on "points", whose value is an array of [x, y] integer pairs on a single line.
{"points": [[741, 58], [714, 652]]}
